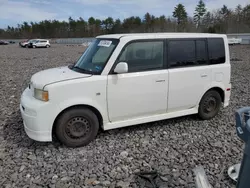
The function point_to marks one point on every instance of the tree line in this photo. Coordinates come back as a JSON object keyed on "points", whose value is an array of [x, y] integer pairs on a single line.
{"points": [[222, 20]]}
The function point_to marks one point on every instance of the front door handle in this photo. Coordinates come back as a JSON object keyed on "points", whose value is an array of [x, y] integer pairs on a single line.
{"points": [[160, 80], [203, 75]]}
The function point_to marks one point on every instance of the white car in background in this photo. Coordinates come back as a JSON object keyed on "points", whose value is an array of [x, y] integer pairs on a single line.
{"points": [[39, 43], [24, 44], [233, 41]]}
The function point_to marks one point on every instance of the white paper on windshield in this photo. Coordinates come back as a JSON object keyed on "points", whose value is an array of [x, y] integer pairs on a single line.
{"points": [[105, 43]]}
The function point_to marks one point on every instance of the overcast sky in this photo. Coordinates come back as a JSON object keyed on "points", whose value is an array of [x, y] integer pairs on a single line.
{"points": [[13, 12]]}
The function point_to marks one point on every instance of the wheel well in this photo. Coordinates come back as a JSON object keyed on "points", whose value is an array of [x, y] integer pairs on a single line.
{"points": [[93, 109], [220, 91]]}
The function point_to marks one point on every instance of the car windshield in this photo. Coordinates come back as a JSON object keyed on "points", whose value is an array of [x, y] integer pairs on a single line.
{"points": [[95, 57]]}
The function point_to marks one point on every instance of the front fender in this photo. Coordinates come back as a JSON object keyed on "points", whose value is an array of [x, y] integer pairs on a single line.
{"points": [[84, 101]]}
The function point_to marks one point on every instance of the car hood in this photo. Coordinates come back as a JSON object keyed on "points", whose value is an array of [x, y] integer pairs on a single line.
{"points": [[54, 75]]}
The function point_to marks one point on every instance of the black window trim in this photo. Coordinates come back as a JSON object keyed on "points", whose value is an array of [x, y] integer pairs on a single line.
{"points": [[188, 39], [206, 49], [111, 72], [166, 52]]}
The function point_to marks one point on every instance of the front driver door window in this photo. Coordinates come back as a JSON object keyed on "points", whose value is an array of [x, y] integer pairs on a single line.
{"points": [[143, 56]]}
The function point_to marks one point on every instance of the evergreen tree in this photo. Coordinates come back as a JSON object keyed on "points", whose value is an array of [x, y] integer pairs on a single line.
{"points": [[200, 11], [181, 16]]}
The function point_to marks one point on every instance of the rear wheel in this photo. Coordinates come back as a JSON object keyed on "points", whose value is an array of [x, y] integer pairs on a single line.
{"points": [[77, 127], [34, 46], [210, 105], [47, 46]]}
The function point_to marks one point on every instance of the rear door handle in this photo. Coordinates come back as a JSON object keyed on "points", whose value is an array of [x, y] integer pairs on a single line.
{"points": [[160, 80]]}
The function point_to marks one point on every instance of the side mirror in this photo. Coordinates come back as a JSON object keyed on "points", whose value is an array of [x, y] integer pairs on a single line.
{"points": [[121, 67]]}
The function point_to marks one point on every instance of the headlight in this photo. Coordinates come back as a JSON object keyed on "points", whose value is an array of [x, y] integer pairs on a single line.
{"points": [[41, 94]]}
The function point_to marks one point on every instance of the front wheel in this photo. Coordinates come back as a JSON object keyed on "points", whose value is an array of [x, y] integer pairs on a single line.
{"points": [[47, 46], [210, 105], [77, 127]]}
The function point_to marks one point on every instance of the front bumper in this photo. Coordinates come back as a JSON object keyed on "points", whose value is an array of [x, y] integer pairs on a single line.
{"points": [[38, 117], [23, 44], [37, 135]]}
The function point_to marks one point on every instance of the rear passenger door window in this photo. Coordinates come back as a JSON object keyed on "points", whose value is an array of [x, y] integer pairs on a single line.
{"points": [[216, 50], [187, 52], [143, 56], [181, 53]]}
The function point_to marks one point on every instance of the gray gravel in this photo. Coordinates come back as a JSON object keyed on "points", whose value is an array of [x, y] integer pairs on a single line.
{"points": [[172, 147]]}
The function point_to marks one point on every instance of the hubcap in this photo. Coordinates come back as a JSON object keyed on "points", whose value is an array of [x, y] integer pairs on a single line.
{"points": [[210, 105], [77, 127]]}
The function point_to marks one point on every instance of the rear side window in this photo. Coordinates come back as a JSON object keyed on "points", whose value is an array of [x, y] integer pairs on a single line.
{"points": [[216, 50], [143, 56]]}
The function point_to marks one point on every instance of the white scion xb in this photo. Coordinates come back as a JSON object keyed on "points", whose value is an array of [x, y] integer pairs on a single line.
{"points": [[127, 79]]}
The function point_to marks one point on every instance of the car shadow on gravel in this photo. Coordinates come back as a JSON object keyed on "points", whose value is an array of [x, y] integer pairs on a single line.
{"points": [[15, 136], [156, 124]]}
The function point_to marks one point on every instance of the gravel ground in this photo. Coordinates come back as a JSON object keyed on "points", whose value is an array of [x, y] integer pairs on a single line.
{"points": [[172, 147]]}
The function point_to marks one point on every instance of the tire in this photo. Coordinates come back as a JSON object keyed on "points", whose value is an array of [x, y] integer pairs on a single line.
{"points": [[47, 46], [34, 46], [77, 127], [210, 105]]}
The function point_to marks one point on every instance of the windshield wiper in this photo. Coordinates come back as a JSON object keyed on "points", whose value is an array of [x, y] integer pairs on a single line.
{"points": [[82, 70]]}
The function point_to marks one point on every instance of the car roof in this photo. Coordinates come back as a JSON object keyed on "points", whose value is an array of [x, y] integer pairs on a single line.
{"points": [[160, 35], [38, 39]]}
